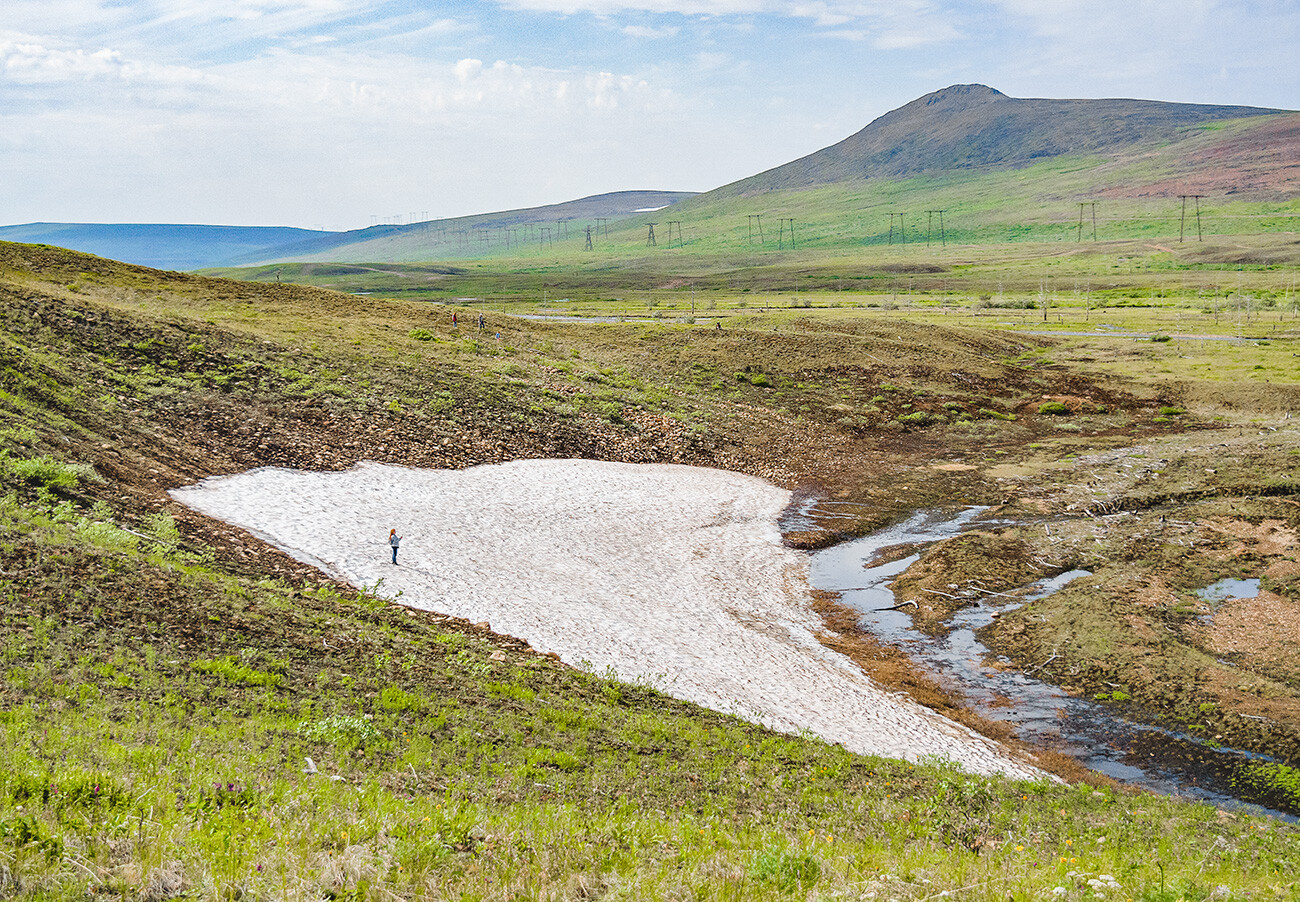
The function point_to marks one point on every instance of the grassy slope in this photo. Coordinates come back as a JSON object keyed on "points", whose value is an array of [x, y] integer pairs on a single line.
{"points": [[1136, 194], [163, 685]]}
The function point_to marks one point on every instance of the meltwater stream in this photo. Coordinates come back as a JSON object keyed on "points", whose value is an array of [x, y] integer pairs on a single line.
{"points": [[1124, 748]]}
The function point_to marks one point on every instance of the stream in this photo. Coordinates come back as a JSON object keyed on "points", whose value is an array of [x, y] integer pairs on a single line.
{"points": [[1118, 743]]}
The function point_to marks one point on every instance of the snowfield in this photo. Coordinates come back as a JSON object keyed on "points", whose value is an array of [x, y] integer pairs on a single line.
{"points": [[665, 574]]}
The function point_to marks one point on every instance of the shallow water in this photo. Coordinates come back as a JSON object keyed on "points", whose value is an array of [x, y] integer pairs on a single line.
{"points": [[1229, 588], [1117, 743]]}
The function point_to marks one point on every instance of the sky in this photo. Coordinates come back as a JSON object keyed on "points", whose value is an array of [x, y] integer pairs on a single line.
{"points": [[337, 114]]}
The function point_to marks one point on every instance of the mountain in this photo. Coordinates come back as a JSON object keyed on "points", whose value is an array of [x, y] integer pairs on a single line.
{"points": [[966, 127], [158, 245]]}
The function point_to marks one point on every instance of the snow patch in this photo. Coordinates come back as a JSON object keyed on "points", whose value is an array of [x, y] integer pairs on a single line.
{"points": [[665, 574]]}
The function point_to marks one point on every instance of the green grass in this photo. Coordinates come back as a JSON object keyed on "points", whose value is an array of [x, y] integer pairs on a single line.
{"points": [[134, 766]]}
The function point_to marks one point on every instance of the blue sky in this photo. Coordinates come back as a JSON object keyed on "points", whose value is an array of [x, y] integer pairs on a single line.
{"points": [[334, 113]]}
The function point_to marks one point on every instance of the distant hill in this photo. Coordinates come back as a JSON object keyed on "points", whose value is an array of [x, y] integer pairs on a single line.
{"points": [[189, 247], [470, 235], [160, 246], [967, 127]]}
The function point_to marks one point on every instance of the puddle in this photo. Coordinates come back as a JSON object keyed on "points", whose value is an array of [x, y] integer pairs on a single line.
{"points": [[1229, 588], [1119, 745]]}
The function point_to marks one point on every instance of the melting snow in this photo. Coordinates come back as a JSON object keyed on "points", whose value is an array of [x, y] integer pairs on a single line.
{"points": [[667, 574]]}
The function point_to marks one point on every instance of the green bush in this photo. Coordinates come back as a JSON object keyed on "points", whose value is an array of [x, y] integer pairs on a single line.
{"points": [[421, 334], [1054, 409], [996, 414]]}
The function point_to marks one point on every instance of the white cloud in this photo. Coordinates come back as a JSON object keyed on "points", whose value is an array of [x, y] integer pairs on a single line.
{"points": [[646, 31], [30, 63], [885, 24]]}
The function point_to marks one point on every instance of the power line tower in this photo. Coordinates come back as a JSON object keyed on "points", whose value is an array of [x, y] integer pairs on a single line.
{"points": [[1183, 218], [902, 232], [544, 237], [780, 244], [562, 229], [602, 226], [1093, 205], [929, 224], [650, 239], [755, 219], [588, 247], [678, 223]]}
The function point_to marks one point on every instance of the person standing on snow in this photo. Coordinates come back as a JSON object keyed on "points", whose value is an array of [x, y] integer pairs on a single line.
{"points": [[394, 540]]}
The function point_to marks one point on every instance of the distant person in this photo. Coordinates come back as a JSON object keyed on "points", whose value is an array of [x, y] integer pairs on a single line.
{"points": [[498, 336], [394, 540], [482, 323], [454, 323]]}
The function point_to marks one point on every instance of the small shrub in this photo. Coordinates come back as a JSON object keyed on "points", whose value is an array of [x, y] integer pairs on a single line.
{"points": [[339, 728], [232, 670], [556, 758], [162, 527], [1171, 411], [46, 471], [1054, 409], [787, 870], [421, 334], [511, 690], [996, 414], [920, 418], [396, 700], [1160, 338]]}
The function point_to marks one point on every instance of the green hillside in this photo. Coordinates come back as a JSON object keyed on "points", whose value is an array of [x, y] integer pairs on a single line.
{"points": [[966, 166], [166, 677]]}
